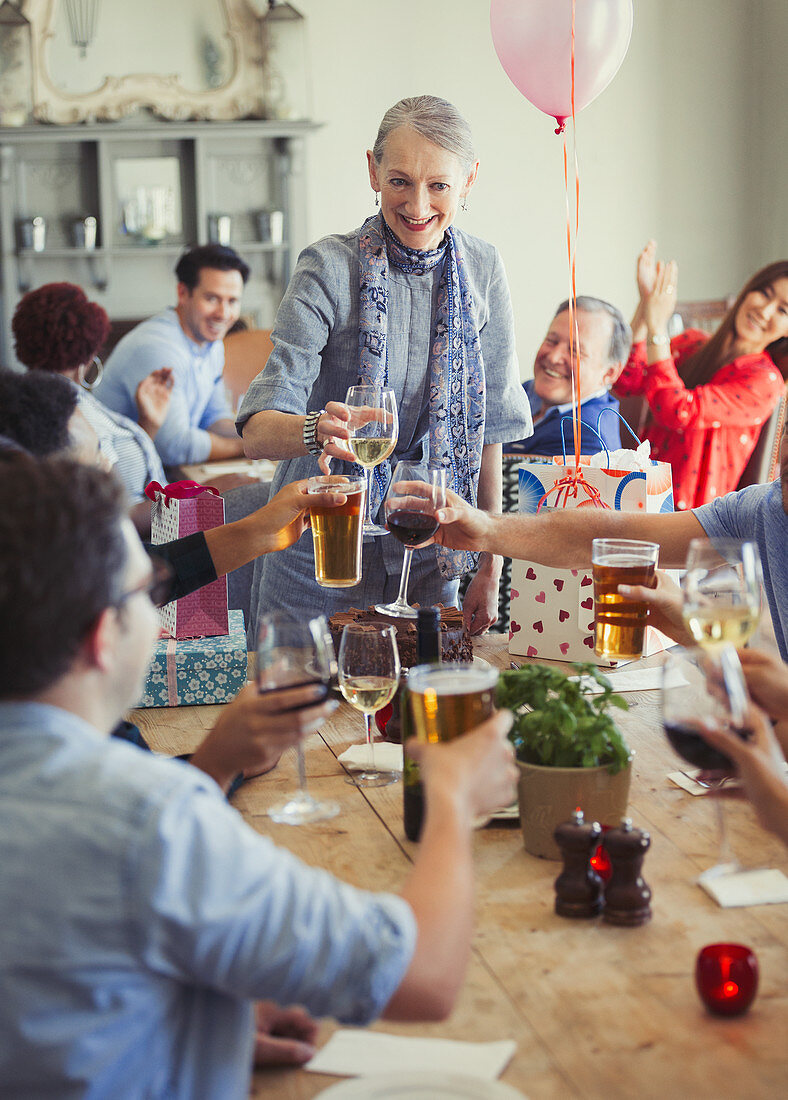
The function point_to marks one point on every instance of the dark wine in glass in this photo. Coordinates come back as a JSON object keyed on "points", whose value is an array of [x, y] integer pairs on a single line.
{"points": [[411, 528]]}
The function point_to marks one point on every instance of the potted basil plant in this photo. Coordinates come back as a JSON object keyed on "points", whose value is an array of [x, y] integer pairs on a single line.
{"points": [[569, 750]]}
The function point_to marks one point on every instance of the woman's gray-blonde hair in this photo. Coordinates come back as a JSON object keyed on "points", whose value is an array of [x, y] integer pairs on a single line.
{"points": [[435, 119]]}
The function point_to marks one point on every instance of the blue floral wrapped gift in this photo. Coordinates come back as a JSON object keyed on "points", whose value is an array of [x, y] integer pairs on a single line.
{"points": [[193, 671]]}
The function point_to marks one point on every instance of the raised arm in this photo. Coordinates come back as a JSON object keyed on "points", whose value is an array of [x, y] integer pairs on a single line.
{"points": [[563, 538], [463, 779]]}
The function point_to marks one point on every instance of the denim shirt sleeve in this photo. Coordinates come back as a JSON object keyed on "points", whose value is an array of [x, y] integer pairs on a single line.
{"points": [[304, 322], [508, 412], [216, 904]]}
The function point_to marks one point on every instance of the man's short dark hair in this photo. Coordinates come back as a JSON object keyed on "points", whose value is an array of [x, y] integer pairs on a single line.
{"points": [[35, 410], [62, 562], [621, 333], [216, 256]]}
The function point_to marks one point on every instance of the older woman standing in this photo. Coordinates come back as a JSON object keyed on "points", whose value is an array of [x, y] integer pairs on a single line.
{"points": [[413, 303]]}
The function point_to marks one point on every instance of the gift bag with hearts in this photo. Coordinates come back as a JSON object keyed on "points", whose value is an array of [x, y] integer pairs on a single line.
{"points": [[552, 610]]}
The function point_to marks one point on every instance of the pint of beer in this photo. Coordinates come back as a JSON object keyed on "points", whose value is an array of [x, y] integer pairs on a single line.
{"points": [[337, 530], [447, 700], [620, 623]]}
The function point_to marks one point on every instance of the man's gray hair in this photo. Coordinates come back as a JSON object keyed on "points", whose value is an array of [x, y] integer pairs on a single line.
{"points": [[435, 119], [621, 334]]}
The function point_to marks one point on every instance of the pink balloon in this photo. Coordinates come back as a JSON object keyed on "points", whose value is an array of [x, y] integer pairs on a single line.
{"points": [[533, 40]]}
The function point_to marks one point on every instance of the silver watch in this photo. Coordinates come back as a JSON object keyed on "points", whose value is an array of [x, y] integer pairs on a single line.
{"points": [[310, 433]]}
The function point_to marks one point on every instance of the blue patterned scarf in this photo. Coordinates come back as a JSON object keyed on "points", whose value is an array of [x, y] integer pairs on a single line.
{"points": [[457, 397]]}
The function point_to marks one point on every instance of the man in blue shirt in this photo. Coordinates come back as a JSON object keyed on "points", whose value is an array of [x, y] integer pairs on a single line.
{"points": [[140, 917], [604, 340], [189, 339]]}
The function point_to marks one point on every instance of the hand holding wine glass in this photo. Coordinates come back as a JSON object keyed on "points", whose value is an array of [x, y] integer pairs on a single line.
{"points": [[415, 494], [722, 591], [369, 670], [702, 690], [294, 654], [374, 428]]}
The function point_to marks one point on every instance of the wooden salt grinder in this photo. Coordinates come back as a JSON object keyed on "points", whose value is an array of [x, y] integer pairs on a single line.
{"points": [[627, 896], [578, 889]]}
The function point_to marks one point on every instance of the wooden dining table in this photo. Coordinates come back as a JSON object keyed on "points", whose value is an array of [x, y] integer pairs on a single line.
{"points": [[596, 1011]]}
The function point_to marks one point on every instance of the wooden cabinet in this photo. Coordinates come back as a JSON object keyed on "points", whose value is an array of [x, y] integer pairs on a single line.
{"points": [[234, 170]]}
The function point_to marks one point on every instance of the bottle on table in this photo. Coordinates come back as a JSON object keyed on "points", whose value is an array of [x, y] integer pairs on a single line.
{"points": [[428, 652]]}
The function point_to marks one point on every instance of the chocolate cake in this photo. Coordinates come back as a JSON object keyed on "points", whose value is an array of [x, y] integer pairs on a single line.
{"points": [[457, 643]]}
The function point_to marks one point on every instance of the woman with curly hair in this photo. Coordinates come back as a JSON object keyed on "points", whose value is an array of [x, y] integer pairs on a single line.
{"points": [[56, 328], [708, 397]]}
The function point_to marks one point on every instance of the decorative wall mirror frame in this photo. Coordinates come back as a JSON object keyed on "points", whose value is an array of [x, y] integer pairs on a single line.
{"points": [[122, 94]]}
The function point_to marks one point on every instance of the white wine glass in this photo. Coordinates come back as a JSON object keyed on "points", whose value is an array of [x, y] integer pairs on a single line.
{"points": [[296, 653], [375, 426], [722, 591], [369, 670], [416, 492]]}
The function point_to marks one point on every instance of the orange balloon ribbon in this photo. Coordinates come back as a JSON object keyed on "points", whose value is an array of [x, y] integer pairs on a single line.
{"points": [[570, 486]]}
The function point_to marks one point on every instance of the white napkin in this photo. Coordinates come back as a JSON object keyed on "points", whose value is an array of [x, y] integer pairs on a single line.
{"points": [[351, 1053], [632, 679], [766, 886], [686, 781], [388, 757]]}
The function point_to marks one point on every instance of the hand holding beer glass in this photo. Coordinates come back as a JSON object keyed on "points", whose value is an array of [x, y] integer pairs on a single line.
{"points": [[416, 493], [374, 426], [722, 592], [336, 529], [368, 678], [620, 621]]}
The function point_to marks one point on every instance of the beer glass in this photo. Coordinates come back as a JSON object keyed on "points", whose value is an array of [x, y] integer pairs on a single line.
{"points": [[447, 700], [375, 426], [337, 530], [620, 622], [293, 654], [722, 592]]}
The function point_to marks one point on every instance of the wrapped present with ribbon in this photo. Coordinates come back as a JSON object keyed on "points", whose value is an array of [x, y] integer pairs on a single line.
{"points": [[552, 610], [197, 671], [179, 509]]}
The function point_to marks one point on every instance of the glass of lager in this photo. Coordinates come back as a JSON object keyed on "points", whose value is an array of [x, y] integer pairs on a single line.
{"points": [[447, 700], [620, 622], [337, 530]]}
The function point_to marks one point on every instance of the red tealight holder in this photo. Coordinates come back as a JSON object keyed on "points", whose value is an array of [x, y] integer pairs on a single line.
{"points": [[726, 975], [600, 860]]}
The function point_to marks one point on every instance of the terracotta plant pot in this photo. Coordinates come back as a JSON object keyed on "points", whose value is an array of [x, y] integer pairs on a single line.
{"points": [[549, 796]]}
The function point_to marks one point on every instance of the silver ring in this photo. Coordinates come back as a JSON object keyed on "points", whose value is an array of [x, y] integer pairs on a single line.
{"points": [[669, 288]]}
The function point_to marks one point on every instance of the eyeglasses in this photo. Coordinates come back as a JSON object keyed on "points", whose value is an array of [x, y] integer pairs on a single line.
{"points": [[158, 585]]}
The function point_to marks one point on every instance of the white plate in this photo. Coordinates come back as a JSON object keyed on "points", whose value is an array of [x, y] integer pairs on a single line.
{"points": [[420, 1086], [480, 662]]}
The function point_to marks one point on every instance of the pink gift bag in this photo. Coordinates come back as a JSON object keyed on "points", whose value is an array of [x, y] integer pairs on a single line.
{"points": [[181, 509]]}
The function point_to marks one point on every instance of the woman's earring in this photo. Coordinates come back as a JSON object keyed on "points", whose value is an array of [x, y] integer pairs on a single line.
{"points": [[464, 204], [377, 198], [98, 375]]}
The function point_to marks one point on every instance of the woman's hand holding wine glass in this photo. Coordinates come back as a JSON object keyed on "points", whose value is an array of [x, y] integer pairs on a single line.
{"points": [[374, 427]]}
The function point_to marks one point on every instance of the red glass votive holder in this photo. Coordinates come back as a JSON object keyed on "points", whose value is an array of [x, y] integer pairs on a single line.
{"points": [[726, 975], [600, 860]]}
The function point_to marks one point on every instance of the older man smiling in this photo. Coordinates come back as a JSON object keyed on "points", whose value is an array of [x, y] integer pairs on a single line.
{"points": [[602, 346]]}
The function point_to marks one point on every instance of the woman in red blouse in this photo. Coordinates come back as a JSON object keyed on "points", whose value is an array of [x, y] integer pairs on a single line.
{"points": [[708, 396]]}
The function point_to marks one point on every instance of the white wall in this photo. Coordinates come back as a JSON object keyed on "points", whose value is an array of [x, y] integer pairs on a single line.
{"points": [[688, 143]]}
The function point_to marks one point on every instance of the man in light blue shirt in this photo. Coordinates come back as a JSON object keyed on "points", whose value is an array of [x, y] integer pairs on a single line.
{"points": [[139, 916], [563, 539], [189, 339], [604, 340]]}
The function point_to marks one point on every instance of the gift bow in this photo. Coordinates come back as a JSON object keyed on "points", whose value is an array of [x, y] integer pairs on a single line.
{"points": [[178, 490]]}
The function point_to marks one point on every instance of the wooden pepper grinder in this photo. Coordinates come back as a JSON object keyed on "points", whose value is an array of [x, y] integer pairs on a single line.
{"points": [[578, 889], [626, 895]]}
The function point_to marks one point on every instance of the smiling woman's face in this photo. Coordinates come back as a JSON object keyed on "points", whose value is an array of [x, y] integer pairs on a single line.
{"points": [[762, 317], [421, 187]]}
